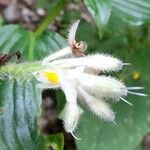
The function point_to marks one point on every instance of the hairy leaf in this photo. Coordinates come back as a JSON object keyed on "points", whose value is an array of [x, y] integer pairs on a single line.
{"points": [[131, 45]]}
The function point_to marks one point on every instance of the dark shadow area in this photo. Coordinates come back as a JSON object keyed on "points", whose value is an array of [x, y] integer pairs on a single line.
{"points": [[49, 123], [145, 144]]}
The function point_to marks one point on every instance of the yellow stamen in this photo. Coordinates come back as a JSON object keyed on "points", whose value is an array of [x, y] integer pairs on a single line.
{"points": [[52, 77]]}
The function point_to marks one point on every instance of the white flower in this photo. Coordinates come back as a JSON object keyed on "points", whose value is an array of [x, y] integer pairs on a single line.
{"points": [[70, 75]]}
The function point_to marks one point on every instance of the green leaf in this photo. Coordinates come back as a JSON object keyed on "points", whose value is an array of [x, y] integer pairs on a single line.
{"points": [[57, 141], [135, 12], [131, 45], [20, 102], [18, 124], [100, 11]]}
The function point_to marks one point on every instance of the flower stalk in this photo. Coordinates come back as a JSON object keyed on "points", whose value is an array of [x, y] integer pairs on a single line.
{"points": [[21, 71]]}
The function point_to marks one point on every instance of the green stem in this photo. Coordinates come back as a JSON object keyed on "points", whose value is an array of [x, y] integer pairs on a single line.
{"points": [[51, 15], [21, 72], [31, 46]]}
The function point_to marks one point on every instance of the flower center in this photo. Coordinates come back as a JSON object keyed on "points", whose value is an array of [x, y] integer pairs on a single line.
{"points": [[52, 77]]}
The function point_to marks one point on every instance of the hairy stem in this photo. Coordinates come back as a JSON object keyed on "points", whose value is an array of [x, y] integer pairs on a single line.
{"points": [[21, 72], [31, 46]]}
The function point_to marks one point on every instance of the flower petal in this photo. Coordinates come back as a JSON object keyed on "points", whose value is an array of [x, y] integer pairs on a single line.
{"points": [[97, 106], [69, 91], [101, 62], [67, 50], [102, 86], [61, 53], [72, 31], [71, 116]]}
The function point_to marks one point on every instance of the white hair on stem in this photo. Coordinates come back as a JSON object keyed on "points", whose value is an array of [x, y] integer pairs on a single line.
{"points": [[100, 62]]}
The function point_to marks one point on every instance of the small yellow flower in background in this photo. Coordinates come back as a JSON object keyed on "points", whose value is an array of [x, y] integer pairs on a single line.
{"points": [[136, 75], [72, 77]]}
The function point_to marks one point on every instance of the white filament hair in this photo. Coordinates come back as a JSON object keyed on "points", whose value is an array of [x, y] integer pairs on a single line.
{"points": [[102, 86], [101, 62], [72, 32], [97, 106], [71, 116], [132, 90], [124, 100], [59, 54]]}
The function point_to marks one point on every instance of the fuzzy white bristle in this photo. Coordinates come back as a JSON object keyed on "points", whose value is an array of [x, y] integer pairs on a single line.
{"points": [[97, 106], [100, 62], [135, 88], [71, 116], [126, 64], [75, 136], [131, 90], [102, 86], [124, 100], [137, 93], [72, 32]]}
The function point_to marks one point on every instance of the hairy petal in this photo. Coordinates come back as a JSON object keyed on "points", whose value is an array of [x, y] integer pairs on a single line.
{"points": [[69, 91], [102, 86], [71, 116], [67, 50], [72, 32], [59, 54], [101, 62], [97, 106]]}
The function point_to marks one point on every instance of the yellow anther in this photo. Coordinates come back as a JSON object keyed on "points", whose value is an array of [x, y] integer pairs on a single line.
{"points": [[52, 77], [136, 75]]}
